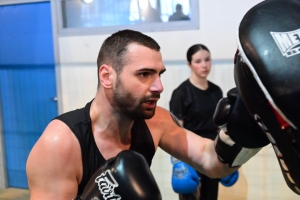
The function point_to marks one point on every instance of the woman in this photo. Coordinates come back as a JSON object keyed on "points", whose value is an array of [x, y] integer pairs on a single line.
{"points": [[193, 102]]}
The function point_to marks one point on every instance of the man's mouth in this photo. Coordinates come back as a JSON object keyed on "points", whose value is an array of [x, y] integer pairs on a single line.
{"points": [[150, 103]]}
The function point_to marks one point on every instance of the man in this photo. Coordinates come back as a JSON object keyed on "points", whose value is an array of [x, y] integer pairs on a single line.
{"points": [[178, 15], [123, 115]]}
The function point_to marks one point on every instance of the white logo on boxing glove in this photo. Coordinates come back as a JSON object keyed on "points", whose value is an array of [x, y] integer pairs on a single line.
{"points": [[107, 185], [287, 42]]}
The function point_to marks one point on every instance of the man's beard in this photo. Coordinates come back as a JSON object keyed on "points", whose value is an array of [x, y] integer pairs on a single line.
{"points": [[129, 106]]}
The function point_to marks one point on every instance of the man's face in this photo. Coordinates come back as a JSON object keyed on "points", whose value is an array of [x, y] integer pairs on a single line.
{"points": [[138, 87]]}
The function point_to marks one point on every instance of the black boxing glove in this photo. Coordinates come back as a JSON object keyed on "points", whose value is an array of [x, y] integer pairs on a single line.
{"points": [[126, 177], [240, 137]]}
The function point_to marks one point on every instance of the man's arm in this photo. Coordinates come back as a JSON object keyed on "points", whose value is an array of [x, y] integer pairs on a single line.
{"points": [[54, 164], [186, 146], [240, 138]]}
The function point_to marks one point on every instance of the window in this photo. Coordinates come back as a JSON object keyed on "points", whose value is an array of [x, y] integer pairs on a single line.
{"points": [[107, 16]]}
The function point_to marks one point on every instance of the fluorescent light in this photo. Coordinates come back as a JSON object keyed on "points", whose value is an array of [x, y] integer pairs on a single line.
{"points": [[88, 1], [143, 4]]}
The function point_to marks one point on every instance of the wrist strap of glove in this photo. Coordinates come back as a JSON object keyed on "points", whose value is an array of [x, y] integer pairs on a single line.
{"points": [[232, 153]]}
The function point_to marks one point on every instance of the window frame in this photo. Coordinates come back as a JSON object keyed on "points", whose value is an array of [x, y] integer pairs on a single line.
{"points": [[191, 24], [11, 2]]}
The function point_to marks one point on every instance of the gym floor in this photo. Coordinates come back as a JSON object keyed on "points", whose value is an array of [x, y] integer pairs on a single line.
{"points": [[14, 194]]}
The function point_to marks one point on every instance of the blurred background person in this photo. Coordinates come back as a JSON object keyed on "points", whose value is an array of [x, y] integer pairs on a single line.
{"points": [[178, 14], [193, 102]]}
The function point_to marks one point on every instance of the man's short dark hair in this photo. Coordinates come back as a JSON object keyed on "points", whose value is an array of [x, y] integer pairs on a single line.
{"points": [[114, 48]]}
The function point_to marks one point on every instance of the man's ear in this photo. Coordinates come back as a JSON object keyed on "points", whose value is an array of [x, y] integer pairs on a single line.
{"points": [[105, 72]]}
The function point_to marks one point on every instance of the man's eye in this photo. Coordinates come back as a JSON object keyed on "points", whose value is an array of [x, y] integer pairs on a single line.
{"points": [[144, 74]]}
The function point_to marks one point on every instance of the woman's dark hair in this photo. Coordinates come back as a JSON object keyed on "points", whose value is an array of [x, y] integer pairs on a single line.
{"points": [[193, 49]]}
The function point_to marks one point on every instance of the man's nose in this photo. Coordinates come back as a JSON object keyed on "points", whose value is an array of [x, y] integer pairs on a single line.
{"points": [[157, 85]]}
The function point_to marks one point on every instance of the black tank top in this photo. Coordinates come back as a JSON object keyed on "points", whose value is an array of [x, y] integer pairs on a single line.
{"points": [[79, 122]]}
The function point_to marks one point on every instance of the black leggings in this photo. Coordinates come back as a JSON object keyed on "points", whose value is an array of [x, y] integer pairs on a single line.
{"points": [[207, 190]]}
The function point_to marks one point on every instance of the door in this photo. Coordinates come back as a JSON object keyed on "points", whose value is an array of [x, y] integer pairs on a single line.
{"points": [[27, 82]]}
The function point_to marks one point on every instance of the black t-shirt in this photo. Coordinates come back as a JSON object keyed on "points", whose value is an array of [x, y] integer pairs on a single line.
{"points": [[196, 107]]}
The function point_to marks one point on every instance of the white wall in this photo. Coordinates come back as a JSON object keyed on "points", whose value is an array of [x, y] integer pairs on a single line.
{"points": [[261, 177]]}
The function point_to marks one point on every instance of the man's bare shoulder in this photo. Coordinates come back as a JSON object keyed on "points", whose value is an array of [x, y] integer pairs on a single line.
{"points": [[163, 116], [55, 160], [56, 138], [57, 132], [163, 120], [56, 145]]}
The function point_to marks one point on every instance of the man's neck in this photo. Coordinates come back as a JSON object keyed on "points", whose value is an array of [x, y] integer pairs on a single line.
{"points": [[111, 129], [106, 118]]}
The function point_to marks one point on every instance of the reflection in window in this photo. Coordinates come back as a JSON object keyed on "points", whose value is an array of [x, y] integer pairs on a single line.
{"points": [[99, 13]]}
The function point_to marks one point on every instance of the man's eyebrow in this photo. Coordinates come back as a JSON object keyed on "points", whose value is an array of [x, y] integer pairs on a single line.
{"points": [[150, 70], [163, 71]]}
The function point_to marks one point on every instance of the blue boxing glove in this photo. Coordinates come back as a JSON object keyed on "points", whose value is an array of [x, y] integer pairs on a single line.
{"points": [[185, 179], [230, 180]]}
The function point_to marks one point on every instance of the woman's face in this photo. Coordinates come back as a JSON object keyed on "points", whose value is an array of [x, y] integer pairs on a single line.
{"points": [[201, 63]]}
